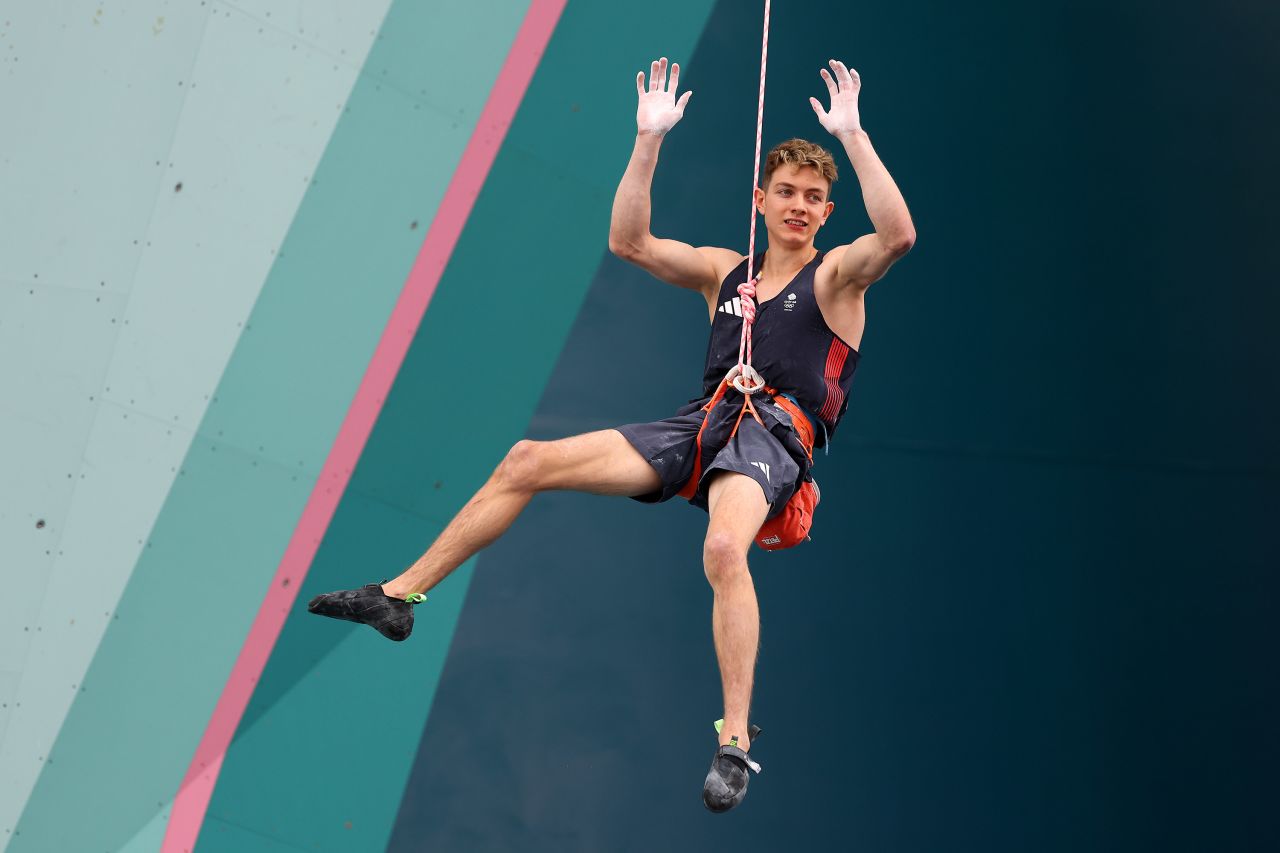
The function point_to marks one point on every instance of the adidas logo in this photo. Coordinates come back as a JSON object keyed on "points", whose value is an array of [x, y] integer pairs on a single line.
{"points": [[733, 306], [763, 466]]}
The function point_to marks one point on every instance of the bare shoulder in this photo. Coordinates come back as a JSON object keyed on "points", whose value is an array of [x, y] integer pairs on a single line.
{"points": [[827, 284], [862, 262], [826, 271], [842, 307], [722, 261]]}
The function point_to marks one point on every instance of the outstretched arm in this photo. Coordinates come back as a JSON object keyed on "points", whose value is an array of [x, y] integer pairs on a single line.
{"points": [[629, 236], [868, 258]]}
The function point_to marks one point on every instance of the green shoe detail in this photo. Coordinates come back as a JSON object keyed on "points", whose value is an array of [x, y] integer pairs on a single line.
{"points": [[415, 598], [719, 724]]}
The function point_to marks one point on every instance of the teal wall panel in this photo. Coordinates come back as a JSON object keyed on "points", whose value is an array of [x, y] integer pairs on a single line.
{"points": [[149, 838], [465, 393], [230, 520]]}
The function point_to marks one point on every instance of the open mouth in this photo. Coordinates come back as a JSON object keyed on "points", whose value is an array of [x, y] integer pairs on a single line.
{"points": [[796, 223]]}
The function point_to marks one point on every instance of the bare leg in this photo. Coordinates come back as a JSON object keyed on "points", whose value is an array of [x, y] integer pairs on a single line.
{"points": [[737, 508], [602, 463]]}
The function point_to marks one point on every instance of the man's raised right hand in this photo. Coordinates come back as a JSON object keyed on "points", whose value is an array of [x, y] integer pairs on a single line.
{"points": [[659, 110]]}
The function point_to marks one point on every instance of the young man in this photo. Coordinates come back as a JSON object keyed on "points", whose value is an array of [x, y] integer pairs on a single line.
{"points": [[743, 471]]}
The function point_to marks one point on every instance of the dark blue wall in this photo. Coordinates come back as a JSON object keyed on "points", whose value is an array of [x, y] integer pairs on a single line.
{"points": [[1038, 611]]}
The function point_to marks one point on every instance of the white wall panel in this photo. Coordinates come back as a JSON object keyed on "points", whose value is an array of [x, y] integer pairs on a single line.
{"points": [[123, 295]]}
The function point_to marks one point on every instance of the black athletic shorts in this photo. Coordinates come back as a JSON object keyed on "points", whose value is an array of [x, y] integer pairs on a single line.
{"points": [[773, 457]]}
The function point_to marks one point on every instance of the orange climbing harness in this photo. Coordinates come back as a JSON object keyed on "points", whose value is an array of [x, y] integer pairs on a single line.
{"points": [[791, 526]]}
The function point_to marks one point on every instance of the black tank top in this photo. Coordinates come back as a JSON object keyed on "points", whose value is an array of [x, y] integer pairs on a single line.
{"points": [[792, 346]]}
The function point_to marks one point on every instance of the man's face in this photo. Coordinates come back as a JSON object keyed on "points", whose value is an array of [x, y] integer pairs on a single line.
{"points": [[794, 205]]}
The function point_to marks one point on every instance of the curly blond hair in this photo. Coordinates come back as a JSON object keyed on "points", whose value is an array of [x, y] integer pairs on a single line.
{"points": [[800, 152]]}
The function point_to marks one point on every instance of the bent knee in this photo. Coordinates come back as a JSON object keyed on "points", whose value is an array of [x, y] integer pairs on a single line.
{"points": [[524, 466], [723, 557]]}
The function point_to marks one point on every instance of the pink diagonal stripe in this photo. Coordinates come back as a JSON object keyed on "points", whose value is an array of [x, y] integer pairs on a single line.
{"points": [[193, 796]]}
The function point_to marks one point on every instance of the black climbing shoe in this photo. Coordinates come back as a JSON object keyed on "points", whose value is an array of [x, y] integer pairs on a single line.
{"points": [[391, 617], [726, 783]]}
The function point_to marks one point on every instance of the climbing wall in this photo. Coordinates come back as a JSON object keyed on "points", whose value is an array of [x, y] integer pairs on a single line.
{"points": [[156, 156], [1035, 613]]}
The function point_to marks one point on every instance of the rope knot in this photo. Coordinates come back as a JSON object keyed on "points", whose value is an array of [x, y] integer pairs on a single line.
{"points": [[747, 292]]}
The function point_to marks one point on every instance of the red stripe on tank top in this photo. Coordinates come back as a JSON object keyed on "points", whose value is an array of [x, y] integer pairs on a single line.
{"points": [[831, 375]]}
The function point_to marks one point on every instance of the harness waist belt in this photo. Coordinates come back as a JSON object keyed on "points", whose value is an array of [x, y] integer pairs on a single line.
{"points": [[801, 422]]}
